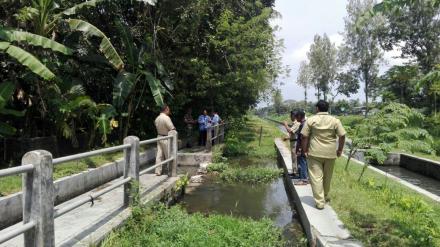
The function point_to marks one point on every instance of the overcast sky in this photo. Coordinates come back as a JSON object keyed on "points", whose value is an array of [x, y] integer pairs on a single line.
{"points": [[300, 21]]}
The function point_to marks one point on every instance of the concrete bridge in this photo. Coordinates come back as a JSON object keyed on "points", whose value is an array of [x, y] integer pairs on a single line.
{"points": [[82, 209]]}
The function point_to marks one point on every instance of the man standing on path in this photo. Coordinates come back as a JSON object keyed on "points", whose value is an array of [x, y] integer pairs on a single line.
{"points": [[319, 142], [164, 127], [300, 157], [292, 136], [189, 121], [204, 121]]}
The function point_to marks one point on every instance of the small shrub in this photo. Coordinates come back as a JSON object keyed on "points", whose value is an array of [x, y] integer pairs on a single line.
{"points": [[217, 167], [436, 147], [251, 175], [234, 147]]}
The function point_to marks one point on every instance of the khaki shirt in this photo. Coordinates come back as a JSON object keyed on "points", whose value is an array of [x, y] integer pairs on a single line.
{"points": [[163, 124], [294, 129], [323, 130]]}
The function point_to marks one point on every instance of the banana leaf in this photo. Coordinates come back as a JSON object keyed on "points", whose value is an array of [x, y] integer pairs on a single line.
{"points": [[122, 87], [11, 35], [27, 59], [155, 87], [105, 47]]}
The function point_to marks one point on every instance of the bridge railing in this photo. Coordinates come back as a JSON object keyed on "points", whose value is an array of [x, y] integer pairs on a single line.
{"points": [[215, 135], [38, 187]]}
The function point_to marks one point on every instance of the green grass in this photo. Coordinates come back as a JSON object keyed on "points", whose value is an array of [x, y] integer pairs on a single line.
{"points": [[249, 174], [12, 184], [245, 139], [174, 227], [381, 212]]}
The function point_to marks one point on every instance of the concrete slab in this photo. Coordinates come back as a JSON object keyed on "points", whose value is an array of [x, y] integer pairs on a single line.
{"points": [[322, 227], [285, 155], [90, 223], [409, 185]]}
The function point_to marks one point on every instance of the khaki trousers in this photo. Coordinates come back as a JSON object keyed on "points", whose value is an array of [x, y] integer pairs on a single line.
{"points": [[320, 174], [293, 154], [161, 155]]}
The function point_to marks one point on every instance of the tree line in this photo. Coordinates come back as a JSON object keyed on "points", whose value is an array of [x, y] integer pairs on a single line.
{"points": [[104, 67], [411, 27]]}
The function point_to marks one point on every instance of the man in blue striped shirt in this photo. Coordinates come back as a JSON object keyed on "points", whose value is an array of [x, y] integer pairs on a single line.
{"points": [[204, 123]]}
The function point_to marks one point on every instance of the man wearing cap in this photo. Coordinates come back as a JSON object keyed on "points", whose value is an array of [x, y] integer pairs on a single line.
{"points": [[321, 147], [164, 127]]}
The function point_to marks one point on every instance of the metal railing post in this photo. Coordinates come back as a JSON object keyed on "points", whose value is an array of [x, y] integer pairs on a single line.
{"points": [[216, 133], [38, 199], [208, 138], [173, 166], [131, 169], [222, 133]]}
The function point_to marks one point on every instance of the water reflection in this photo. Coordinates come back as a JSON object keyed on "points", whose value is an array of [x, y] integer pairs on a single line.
{"points": [[245, 200], [424, 182]]}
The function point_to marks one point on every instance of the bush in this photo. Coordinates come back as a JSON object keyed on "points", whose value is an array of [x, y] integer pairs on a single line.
{"points": [[251, 174], [234, 147], [217, 167], [436, 146]]}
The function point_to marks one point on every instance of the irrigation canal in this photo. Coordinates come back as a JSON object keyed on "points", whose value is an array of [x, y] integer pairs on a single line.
{"points": [[245, 200]]}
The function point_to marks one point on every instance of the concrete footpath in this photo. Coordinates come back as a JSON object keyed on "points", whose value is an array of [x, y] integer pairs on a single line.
{"points": [[322, 227], [90, 224]]}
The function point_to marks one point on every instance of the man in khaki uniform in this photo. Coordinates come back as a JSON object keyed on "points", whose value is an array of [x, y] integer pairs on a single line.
{"points": [[164, 127], [320, 135], [292, 137]]}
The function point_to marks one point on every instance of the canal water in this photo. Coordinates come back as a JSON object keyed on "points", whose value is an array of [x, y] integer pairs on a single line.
{"points": [[254, 201]]}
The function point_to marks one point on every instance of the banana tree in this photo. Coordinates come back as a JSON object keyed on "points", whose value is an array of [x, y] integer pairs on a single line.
{"points": [[45, 15], [6, 92], [140, 73]]}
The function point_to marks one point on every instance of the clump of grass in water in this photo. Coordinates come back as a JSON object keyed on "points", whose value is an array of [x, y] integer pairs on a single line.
{"points": [[161, 226], [251, 174], [245, 175]]}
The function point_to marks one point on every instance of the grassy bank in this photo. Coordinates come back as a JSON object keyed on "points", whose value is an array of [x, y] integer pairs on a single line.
{"points": [[381, 212], [12, 184], [244, 138], [174, 227]]}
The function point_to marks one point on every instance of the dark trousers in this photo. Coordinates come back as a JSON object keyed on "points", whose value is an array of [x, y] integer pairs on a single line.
{"points": [[202, 137], [303, 169]]}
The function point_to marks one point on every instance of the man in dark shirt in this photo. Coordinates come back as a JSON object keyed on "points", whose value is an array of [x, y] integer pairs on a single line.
{"points": [[300, 157]]}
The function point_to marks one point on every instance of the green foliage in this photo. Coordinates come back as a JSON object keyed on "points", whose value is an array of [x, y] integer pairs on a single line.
{"points": [[251, 175], [182, 182], [106, 47], [323, 65], [174, 227], [381, 212], [234, 146], [361, 50], [394, 126], [217, 167]]}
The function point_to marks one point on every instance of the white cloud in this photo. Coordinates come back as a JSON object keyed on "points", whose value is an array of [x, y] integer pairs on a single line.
{"points": [[300, 54]]}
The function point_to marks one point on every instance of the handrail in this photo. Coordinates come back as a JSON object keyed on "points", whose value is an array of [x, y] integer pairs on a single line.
{"points": [[42, 160], [156, 165], [14, 233], [70, 207], [16, 170], [155, 140], [90, 153]]}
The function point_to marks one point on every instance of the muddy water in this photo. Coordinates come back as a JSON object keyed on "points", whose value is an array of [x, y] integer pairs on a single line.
{"points": [[245, 200]]}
